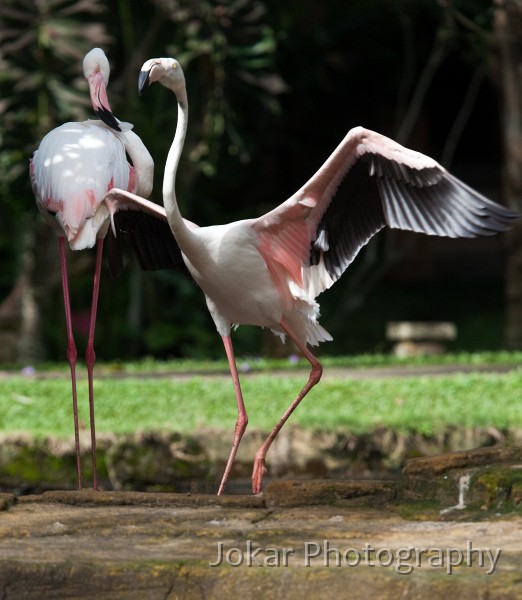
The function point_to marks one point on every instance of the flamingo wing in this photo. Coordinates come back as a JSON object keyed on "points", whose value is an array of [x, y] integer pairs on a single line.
{"points": [[369, 182], [73, 167], [143, 226]]}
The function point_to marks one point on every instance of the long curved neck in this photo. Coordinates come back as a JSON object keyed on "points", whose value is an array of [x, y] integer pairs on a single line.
{"points": [[141, 161], [174, 217]]}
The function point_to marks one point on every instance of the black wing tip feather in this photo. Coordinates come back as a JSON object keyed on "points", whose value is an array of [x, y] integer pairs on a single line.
{"points": [[381, 192], [150, 239], [431, 200], [495, 218], [416, 179]]}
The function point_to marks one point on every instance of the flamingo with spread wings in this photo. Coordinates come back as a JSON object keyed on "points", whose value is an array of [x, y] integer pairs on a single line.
{"points": [[73, 168], [267, 271]]}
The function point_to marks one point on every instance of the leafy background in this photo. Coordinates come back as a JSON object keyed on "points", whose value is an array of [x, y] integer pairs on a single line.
{"points": [[273, 87]]}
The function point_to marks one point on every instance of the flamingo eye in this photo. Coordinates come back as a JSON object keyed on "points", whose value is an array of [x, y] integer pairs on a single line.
{"points": [[174, 65], [52, 213]]}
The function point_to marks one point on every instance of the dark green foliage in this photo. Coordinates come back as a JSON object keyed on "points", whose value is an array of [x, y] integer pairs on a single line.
{"points": [[273, 87]]}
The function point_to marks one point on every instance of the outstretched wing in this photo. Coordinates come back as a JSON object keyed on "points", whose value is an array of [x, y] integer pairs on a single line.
{"points": [[143, 226], [369, 182], [379, 192]]}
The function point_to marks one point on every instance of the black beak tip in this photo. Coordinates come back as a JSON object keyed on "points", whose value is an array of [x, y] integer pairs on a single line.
{"points": [[143, 81], [108, 118]]}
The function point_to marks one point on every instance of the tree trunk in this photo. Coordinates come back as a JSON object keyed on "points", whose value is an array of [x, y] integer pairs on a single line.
{"points": [[508, 32], [23, 310]]}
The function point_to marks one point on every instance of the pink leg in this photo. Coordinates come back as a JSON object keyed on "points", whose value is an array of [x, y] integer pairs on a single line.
{"points": [[313, 379], [90, 355], [242, 419], [71, 354]]}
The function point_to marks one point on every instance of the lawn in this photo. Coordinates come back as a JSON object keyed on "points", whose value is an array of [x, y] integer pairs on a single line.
{"points": [[141, 401]]}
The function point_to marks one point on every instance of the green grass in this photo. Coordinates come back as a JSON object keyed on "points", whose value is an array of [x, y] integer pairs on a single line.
{"points": [[419, 403]]}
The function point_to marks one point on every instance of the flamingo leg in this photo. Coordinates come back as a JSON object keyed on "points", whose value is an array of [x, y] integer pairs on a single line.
{"points": [[90, 355], [242, 418], [314, 378], [72, 354]]}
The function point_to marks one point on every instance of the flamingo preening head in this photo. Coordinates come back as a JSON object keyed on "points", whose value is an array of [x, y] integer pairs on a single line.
{"points": [[268, 271], [96, 71]]}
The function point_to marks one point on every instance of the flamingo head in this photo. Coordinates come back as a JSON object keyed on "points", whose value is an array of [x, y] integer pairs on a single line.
{"points": [[96, 70], [167, 71]]}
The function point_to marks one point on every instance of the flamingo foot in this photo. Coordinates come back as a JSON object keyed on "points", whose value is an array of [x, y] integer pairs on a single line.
{"points": [[258, 473]]}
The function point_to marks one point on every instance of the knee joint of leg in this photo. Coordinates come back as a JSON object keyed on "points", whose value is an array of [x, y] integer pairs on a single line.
{"points": [[316, 373], [241, 423]]}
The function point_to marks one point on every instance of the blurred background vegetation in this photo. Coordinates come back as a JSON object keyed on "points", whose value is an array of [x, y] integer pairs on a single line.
{"points": [[273, 87]]}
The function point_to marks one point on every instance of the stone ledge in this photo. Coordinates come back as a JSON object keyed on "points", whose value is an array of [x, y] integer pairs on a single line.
{"points": [[171, 462], [442, 463], [367, 493], [457, 483], [152, 499], [56, 547], [134, 545]]}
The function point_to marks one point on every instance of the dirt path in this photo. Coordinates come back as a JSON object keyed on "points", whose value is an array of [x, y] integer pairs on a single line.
{"points": [[359, 373]]}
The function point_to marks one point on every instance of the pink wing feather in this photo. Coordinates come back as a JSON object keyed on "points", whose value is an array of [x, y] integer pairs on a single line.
{"points": [[312, 237]]}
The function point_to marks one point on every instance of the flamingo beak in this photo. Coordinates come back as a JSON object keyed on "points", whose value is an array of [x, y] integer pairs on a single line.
{"points": [[100, 102], [143, 81]]}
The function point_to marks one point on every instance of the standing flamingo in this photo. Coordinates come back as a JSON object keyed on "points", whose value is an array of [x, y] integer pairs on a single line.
{"points": [[73, 168], [267, 271]]}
